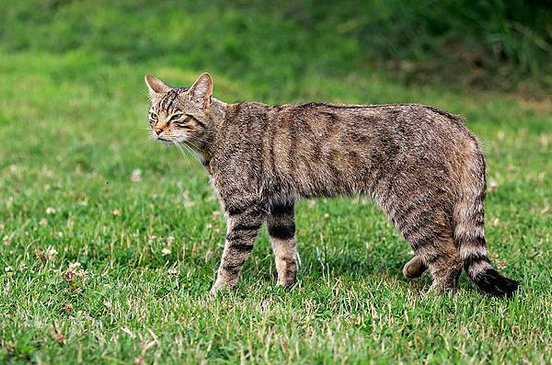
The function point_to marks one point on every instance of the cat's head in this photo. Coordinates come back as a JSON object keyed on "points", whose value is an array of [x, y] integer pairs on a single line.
{"points": [[180, 115]]}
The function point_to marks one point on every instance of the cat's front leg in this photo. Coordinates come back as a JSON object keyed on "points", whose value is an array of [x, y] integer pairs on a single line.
{"points": [[242, 227], [281, 229]]}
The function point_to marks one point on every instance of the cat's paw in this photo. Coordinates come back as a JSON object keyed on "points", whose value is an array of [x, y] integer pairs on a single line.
{"points": [[414, 268], [286, 283], [218, 287], [214, 291], [441, 290]]}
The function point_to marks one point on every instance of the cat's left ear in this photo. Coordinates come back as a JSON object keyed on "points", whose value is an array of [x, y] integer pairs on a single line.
{"points": [[202, 90]]}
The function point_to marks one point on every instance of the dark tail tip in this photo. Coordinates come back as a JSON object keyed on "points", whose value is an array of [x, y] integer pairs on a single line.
{"points": [[492, 283]]}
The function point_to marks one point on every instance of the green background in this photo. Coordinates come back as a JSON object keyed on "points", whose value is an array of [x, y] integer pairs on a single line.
{"points": [[80, 182]]}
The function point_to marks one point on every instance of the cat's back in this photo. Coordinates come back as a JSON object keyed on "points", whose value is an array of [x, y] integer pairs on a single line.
{"points": [[409, 123], [362, 114], [316, 117], [328, 149]]}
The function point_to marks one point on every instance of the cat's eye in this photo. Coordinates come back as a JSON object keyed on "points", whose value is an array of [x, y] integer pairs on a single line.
{"points": [[175, 116], [152, 117]]}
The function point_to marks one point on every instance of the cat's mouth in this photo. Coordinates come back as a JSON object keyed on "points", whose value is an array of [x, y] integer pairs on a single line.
{"points": [[168, 137], [165, 140], [171, 140], [160, 138]]}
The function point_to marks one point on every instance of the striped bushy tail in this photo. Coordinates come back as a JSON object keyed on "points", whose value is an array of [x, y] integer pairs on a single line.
{"points": [[469, 233]]}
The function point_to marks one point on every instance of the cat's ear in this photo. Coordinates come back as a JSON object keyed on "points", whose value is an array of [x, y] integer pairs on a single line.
{"points": [[202, 90], [155, 86]]}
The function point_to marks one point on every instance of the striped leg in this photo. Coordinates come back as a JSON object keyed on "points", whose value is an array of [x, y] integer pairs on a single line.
{"points": [[444, 263], [430, 234], [281, 229], [242, 227]]}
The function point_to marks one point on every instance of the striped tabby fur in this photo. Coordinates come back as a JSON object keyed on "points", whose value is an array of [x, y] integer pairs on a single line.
{"points": [[421, 165]]}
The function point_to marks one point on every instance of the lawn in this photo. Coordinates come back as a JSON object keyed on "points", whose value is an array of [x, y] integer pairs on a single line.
{"points": [[109, 242]]}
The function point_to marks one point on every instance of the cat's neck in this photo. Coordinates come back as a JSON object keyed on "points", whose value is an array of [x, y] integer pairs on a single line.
{"points": [[218, 111], [221, 113]]}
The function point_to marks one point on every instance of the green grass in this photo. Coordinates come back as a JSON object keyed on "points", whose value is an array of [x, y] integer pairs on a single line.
{"points": [[73, 132]]}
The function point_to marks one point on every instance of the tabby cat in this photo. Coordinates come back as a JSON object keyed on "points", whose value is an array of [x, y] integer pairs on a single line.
{"points": [[421, 165]]}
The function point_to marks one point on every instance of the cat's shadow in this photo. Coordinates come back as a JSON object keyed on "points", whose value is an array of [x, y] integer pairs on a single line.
{"points": [[341, 265]]}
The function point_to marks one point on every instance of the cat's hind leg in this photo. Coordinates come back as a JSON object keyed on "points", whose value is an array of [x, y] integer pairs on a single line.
{"points": [[414, 268], [431, 238], [444, 263], [281, 229]]}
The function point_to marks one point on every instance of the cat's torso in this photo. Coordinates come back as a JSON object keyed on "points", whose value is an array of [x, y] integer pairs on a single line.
{"points": [[316, 149]]}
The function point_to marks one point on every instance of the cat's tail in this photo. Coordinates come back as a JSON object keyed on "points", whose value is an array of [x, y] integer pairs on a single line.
{"points": [[469, 232]]}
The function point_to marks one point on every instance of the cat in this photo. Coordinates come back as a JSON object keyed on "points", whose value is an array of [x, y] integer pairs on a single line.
{"points": [[421, 165]]}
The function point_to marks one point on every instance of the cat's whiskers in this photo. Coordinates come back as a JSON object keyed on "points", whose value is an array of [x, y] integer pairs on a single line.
{"points": [[191, 143], [181, 141], [183, 152], [192, 152], [195, 148]]}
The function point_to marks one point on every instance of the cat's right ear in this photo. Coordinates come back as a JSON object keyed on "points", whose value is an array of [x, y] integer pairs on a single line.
{"points": [[202, 90], [155, 86]]}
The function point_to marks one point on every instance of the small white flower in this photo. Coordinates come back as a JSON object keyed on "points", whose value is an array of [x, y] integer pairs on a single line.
{"points": [[74, 265], [43, 222], [187, 202], [493, 185], [166, 251], [116, 212], [9, 201], [136, 176], [51, 253], [50, 211]]}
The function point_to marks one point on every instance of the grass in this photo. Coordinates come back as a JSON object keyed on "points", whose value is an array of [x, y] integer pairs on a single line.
{"points": [[81, 183]]}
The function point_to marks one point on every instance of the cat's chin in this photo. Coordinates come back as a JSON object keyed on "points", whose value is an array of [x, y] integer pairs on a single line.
{"points": [[171, 141], [161, 139]]}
